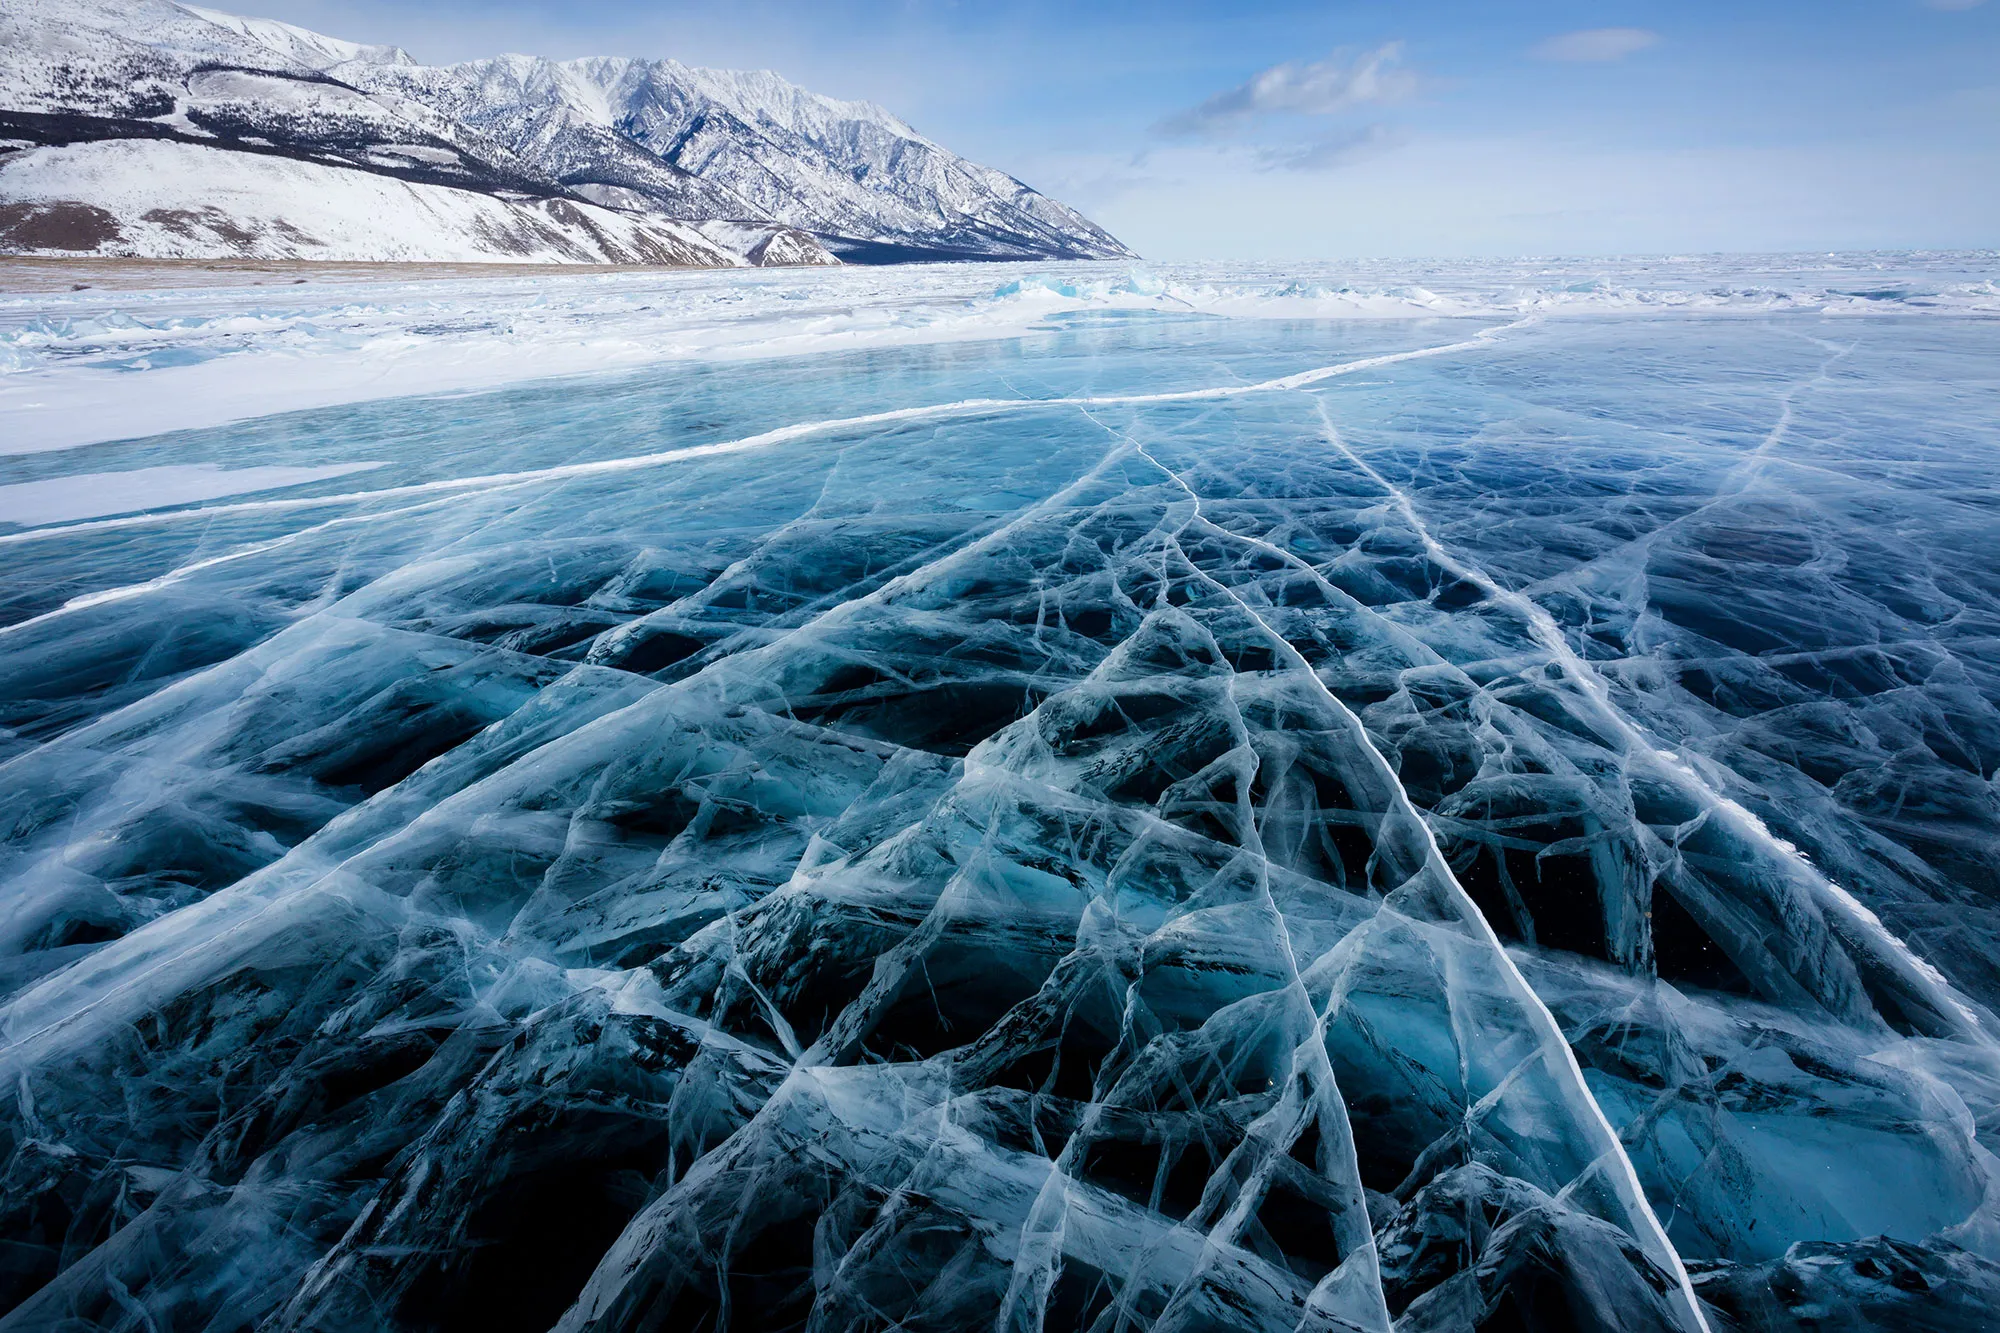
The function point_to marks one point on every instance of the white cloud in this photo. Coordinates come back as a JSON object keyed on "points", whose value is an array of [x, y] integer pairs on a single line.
{"points": [[1316, 88], [1597, 44]]}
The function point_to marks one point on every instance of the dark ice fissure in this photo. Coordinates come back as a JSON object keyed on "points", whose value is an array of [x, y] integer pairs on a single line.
{"points": [[1497, 835]]}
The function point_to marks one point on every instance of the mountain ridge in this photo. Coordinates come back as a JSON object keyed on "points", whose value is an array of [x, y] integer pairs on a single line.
{"points": [[599, 159]]}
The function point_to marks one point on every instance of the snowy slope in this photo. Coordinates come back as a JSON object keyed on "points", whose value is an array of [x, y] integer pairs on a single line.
{"points": [[561, 152], [848, 169], [540, 113], [155, 199]]}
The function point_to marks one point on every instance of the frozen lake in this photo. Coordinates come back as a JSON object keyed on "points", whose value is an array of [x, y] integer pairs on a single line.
{"points": [[1005, 797]]}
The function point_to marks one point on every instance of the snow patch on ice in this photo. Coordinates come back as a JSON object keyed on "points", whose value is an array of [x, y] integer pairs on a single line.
{"points": [[97, 494]]}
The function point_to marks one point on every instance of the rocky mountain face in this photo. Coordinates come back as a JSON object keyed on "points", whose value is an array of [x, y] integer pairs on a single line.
{"points": [[142, 127]]}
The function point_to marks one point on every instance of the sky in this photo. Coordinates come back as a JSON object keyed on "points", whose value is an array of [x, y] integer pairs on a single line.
{"points": [[1351, 128]]}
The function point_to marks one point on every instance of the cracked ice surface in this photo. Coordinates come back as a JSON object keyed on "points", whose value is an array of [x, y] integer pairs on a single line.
{"points": [[1162, 820]]}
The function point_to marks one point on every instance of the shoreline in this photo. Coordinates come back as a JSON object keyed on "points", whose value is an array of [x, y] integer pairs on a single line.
{"points": [[30, 275]]}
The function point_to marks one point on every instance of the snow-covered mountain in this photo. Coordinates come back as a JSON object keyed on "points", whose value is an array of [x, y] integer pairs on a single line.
{"points": [[695, 142], [143, 127]]}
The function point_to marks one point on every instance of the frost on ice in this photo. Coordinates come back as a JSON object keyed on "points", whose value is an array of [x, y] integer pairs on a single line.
{"points": [[1471, 843]]}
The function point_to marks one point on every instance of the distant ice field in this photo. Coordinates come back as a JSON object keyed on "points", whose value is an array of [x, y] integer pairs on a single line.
{"points": [[215, 355], [1043, 791]]}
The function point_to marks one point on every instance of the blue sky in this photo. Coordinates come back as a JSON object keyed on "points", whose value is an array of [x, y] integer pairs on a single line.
{"points": [[1286, 131]]}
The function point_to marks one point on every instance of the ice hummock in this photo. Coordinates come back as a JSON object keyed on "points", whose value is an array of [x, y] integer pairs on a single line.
{"points": [[1167, 819]]}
